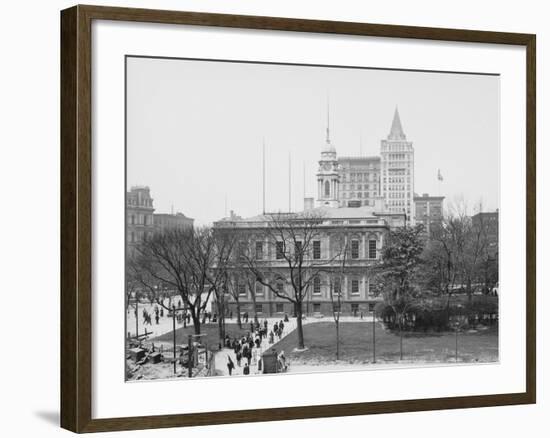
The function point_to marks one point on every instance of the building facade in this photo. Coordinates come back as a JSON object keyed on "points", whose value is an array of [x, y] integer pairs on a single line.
{"points": [[164, 221], [364, 232], [139, 214], [141, 219], [488, 223], [385, 182], [428, 211], [359, 181]]}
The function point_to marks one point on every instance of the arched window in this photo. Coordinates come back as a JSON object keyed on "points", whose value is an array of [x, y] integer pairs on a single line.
{"points": [[327, 188]]}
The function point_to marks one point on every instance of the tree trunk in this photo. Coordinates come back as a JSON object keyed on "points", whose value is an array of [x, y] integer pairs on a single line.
{"points": [[196, 322], [299, 326], [239, 322], [221, 323], [253, 295]]}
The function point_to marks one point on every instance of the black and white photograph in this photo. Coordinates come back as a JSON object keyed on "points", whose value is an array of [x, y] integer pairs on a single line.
{"points": [[288, 218]]}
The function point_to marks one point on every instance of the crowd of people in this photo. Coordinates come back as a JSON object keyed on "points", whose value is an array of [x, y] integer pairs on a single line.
{"points": [[247, 348], [182, 317]]}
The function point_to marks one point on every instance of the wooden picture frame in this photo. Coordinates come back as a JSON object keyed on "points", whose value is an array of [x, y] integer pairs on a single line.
{"points": [[76, 217]]}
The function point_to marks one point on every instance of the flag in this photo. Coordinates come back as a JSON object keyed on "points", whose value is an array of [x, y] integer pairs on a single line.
{"points": [[439, 177]]}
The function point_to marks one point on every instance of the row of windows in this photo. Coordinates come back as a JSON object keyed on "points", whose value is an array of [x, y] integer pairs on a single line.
{"points": [[395, 188], [398, 147], [336, 286], [359, 176], [142, 202], [358, 187], [399, 203], [137, 236], [353, 195], [397, 180], [398, 195], [141, 219], [397, 156], [280, 249], [398, 164], [279, 307]]}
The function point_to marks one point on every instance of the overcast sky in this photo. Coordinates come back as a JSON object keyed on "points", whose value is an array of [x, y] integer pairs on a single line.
{"points": [[195, 130]]}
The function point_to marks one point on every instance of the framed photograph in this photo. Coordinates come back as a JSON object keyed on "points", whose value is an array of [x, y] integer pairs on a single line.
{"points": [[271, 218]]}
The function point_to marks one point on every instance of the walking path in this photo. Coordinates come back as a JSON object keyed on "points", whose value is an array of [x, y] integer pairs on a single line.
{"points": [[221, 357]]}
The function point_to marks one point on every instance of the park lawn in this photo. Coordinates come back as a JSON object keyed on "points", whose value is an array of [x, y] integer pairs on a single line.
{"points": [[356, 345], [210, 330]]}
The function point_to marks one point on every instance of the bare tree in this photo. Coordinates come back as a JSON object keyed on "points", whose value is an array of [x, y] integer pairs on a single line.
{"points": [[189, 261], [336, 278], [294, 240], [467, 243], [233, 289], [224, 249]]}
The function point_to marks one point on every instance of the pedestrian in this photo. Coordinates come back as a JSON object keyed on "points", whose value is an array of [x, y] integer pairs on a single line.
{"points": [[157, 318], [275, 328], [281, 326], [246, 369], [249, 356], [230, 365], [161, 312], [282, 360], [250, 344], [258, 342], [239, 357], [251, 327], [286, 317], [265, 324], [271, 337]]}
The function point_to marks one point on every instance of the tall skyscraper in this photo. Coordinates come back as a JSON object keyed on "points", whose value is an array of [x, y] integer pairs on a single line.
{"points": [[397, 170]]}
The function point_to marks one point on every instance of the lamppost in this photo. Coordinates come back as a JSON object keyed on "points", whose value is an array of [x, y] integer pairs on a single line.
{"points": [[457, 323], [174, 310], [373, 335]]}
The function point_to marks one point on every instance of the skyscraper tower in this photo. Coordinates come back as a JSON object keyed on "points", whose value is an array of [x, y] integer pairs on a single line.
{"points": [[397, 170], [327, 175]]}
